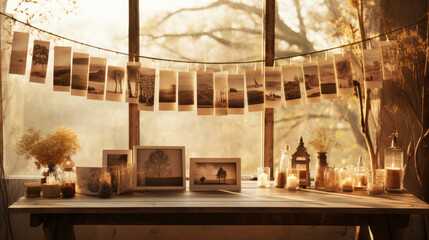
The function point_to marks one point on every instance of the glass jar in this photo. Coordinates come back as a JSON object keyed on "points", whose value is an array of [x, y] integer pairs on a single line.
{"points": [[321, 166], [280, 173], [348, 179], [376, 182], [361, 175], [68, 187], [263, 177], [292, 181], [330, 180], [393, 162]]}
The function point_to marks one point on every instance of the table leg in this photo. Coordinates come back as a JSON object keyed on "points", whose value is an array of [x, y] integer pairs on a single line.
{"points": [[58, 227], [363, 233], [389, 226]]}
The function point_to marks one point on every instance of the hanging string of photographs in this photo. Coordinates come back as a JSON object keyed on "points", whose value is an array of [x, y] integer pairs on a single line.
{"points": [[217, 93]]}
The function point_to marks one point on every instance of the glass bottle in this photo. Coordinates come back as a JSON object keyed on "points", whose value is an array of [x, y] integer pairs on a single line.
{"points": [[361, 175], [330, 184], [393, 162], [68, 187], [280, 173]]}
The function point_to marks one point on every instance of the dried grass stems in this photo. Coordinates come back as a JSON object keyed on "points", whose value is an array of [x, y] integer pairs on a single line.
{"points": [[48, 148], [323, 139]]}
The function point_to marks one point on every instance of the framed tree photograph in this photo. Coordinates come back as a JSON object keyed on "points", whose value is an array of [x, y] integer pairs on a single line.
{"points": [[159, 168], [211, 174], [118, 163]]}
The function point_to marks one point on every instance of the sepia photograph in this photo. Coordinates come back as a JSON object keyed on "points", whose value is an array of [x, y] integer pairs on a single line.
{"points": [[343, 74], [372, 66], [159, 168], [292, 76], [255, 89], [186, 91], [89, 179], [209, 174], [133, 72], [387, 50], [311, 81], [273, 87], [167, 90], [328, 86], [114, 84], [62, 68], [39, 63], [146, 89], [205, 93], [80, 71], [236, 94], [117, 161], [18, 57], [97, 78], [221, 91]]}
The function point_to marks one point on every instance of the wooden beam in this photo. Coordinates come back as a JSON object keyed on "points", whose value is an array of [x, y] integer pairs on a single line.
{"points": [[269, 36], [134, 51]]}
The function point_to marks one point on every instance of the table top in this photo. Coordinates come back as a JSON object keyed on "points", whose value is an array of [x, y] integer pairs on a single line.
{"points": [[250, 200]]}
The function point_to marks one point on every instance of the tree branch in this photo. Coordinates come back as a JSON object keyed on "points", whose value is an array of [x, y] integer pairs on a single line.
{"points": [[301, 20]]}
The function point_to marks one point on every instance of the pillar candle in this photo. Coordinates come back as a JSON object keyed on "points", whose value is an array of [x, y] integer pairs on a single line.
{"points": [[393, 179], [262, 180], [292, 183]]}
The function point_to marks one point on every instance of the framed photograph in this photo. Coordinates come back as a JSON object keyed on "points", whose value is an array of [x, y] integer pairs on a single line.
{"points": [[89, 179], [159, 168], [117, 162], [211, 174]]}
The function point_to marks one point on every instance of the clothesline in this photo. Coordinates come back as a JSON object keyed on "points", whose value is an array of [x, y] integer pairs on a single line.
{"points": [[423, 19]]}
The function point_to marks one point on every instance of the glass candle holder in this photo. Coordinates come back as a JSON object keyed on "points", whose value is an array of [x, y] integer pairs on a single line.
{"points": [[393, 162], [361, 180], [292, 180], [280, 178], [376, 182], [263, 177], [348, 179], [338, 174], [330, 184]]}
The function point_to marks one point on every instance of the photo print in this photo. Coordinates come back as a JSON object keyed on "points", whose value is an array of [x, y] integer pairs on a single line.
{"points": [[311, 81], [205, 93], [80, 71], [146, 89], [115, 81], [236, 94], [133, 72], [167, 90], [159, 168], [372, 68], [387, 48], [328, 86], [343, 74], [186, 91], [209, 174], [97, 78], [89, 179], [118, 163], [273, 87], [18, 57], [255, 90], [221, 93], [39, 63], [62, 68], [292, 76]]}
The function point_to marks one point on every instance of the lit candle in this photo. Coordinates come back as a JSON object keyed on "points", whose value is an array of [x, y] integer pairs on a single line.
{"points": [[292, 183], [263, 180], [348, 185], [393, 179], [51, 190]]}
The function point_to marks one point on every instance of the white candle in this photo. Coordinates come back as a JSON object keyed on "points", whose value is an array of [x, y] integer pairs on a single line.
{"points": [[263, 180], [292, 183], [348, 185]]}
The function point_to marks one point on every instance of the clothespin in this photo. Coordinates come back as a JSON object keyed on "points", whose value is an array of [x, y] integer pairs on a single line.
{"points": [[153, 63], [256, 64], [205, 67], [274, 64], [326, 56], [310, 57], [342, 52], [236, 68], [187, 67], [221, 69], [168, 66], [290, 61]]}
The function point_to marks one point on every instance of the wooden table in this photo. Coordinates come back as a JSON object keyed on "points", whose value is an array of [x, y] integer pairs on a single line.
{"points": [[386, 215]]}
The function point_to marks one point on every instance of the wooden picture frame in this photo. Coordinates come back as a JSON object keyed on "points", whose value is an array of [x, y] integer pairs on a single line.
{"points": [[150, 176], [121, 174], [200, 167]]}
